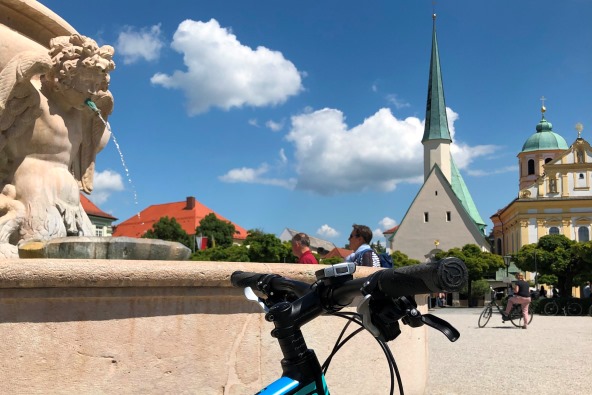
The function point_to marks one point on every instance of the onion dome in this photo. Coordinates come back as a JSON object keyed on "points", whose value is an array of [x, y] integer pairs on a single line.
{"points": [[544, 139]]}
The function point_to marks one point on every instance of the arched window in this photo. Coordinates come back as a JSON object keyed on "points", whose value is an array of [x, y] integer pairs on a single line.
{"points": [[553, 230], [530, 166], [499, 246], [548, 160], [583, 233]]}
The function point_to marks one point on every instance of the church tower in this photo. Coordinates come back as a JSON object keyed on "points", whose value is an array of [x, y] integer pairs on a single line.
{"points": [[538, 150], [442, 215], [436, 136]]}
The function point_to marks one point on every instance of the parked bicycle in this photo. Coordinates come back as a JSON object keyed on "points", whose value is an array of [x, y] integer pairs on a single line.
{"points": [[571, 307], [387, 298], [515, 315]]}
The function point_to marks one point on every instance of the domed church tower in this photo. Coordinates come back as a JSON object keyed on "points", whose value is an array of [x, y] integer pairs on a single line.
{"points": [[539, 149]]}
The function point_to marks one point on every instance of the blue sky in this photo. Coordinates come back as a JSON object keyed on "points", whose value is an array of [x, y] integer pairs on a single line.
{"points": [[309, 114]]}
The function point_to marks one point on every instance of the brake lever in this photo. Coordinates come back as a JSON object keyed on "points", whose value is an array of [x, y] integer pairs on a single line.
{"points": [[443, 326], [250, 295]]}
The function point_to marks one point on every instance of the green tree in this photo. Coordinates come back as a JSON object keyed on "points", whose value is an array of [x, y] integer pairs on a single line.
{"points": [[479, 263], [287, 256], [378, 247], [219, 233], [169, 230], [400, 259], [556, 255], [264, 247], [234, 253], [330, 261]]}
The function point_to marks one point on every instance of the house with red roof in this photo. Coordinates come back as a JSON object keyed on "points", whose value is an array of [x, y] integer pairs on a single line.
{"points": [[187, 213], [339, 253], [101, 221]]}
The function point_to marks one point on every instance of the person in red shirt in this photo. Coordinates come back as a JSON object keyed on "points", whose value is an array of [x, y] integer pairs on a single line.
{"points": [[301, 248]]}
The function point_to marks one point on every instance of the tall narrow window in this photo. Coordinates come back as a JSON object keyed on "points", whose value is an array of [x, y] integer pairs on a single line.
{"points": [[426, 217], [436, 193], [448, 216], [531, 166], [552, 185], [583, 234]]}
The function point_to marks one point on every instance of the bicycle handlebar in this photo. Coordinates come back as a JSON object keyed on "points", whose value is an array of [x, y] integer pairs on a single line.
{"points": [[448, 274]]}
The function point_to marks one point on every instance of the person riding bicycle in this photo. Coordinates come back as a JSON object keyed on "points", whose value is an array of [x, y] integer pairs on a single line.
{"points": [[521, 296]]}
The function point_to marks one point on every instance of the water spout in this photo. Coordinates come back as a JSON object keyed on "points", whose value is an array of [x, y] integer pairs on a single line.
{"points": [[96, 110]]}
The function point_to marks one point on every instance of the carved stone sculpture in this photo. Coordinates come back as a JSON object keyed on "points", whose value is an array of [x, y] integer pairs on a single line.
{"points": [[49, 138]]}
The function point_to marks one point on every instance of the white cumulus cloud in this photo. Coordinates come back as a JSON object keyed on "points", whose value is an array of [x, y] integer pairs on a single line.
{"points": [[105, 183], [256, 176], [387, 223], [134, 45], [332, 158], [222, 72], [327, 231]]}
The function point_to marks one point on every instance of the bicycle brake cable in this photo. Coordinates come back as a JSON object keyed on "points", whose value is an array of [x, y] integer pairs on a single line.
{"points": [[393, 368]]}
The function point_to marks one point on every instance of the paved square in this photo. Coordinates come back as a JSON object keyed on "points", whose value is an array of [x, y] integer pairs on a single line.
{"points": [[553, 356]]}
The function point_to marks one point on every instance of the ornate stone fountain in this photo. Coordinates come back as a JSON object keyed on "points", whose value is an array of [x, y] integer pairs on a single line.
{"points": [[54, 103]]}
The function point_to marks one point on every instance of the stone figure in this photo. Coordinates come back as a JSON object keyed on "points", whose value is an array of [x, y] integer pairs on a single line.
{"points": [[49, 138]]}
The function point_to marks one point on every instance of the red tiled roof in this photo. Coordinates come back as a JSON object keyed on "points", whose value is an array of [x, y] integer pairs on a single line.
{"points": [[338, 252], [187, 213], [90, 208], [391, 230]]}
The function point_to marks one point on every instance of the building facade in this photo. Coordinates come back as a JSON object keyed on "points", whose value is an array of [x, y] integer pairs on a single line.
{"points": [[555, 195]]}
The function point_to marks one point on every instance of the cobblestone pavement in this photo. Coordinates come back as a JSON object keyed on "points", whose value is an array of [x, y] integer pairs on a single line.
{"points": [[553, 356]]}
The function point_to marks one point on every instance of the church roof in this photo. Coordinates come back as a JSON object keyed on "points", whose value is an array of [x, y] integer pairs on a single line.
{"points": [[436, 123], [544, 138], [462, 193]]}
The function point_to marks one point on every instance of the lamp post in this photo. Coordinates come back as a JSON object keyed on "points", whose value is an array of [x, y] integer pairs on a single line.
{"points": [[507, 262], [536, 272]]}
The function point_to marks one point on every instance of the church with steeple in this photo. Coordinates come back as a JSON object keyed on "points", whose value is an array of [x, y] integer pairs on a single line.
{"points": [[555, 191], [442, 215]]}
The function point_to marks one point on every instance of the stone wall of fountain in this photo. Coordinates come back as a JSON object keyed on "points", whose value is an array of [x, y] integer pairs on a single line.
{"points": [[160, 327]]}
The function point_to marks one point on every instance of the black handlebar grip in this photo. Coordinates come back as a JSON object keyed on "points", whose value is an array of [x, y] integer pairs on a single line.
{"points": [[448, 274], [245, 279]]}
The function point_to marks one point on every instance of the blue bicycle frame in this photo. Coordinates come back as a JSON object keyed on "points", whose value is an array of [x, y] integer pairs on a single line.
{"points": [[286, 385]]}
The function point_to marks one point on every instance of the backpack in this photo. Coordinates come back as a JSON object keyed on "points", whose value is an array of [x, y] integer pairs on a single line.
{"points": [[386, 260]]}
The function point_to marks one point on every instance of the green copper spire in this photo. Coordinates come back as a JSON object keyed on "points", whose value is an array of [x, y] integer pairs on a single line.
{"points": [[436, 123]]}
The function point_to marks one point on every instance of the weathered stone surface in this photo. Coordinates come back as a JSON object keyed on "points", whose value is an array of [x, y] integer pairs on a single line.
{"points": [[105, 248], [154, 327], [49, 133]]}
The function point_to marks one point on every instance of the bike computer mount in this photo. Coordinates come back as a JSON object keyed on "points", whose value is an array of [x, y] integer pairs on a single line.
{"points": [[334, 274]]}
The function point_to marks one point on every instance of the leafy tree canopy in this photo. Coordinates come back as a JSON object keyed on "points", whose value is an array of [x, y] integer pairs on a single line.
{"points": [[400, 259], [479, 263], [559, 257], [169, 230], [219, 233], [264, 247], [378, 247]]}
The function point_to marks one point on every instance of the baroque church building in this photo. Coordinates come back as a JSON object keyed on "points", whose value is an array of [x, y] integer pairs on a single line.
{"points": [[442, 215], [555, 195]]}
